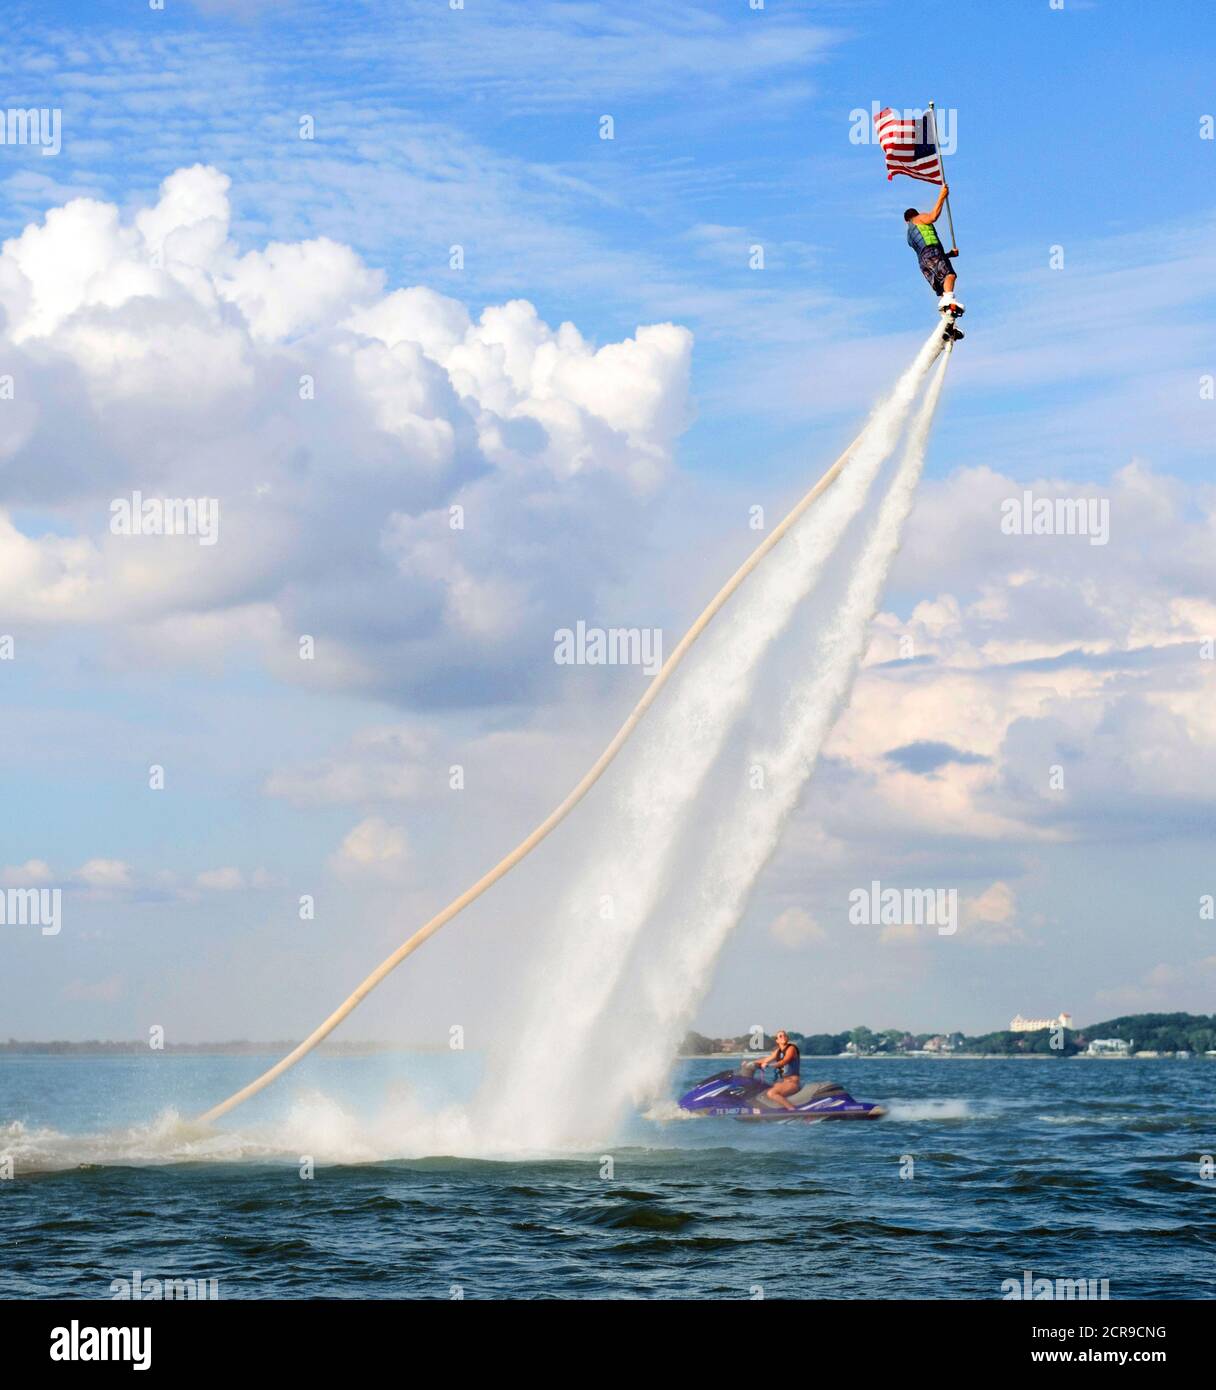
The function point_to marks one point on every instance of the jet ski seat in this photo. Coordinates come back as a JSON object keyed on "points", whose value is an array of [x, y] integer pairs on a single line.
{"points": [[813, 1090]]}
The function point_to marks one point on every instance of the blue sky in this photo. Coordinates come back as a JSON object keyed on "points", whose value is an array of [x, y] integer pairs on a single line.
{"points": [[1078, 128]]}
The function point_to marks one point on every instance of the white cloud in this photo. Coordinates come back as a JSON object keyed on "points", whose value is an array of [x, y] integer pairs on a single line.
{"points": [[990, 917], [288, 289], [795, 927], [105, 874], [149, 355], [373, 849], [1033, 654], [28, 875]]}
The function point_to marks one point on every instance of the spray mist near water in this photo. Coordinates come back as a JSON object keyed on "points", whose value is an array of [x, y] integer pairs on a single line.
{"points": [[625, 986]]}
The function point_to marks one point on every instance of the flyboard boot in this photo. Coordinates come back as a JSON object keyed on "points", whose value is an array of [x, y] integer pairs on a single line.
{"points": [[951, 311]]}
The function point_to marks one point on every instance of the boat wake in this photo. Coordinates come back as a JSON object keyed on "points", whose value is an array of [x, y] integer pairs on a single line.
{"points": [[910, 1111]]}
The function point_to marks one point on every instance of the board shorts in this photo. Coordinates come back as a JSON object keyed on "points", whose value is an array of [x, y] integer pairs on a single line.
{"points": [[935, 265]]}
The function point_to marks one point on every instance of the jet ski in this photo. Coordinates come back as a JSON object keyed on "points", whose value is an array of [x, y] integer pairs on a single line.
{"points": [[740, 1095]]}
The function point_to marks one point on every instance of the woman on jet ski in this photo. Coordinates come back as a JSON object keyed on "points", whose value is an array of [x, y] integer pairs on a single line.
{"points": [[788, 1061]]}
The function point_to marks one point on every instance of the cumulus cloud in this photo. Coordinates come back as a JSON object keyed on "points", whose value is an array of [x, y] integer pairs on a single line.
{"points": [[31, 874], [105, 874], [1046, 690], [422, 493], [373, 849], [991, 916], [112, 878], [795, 927]]}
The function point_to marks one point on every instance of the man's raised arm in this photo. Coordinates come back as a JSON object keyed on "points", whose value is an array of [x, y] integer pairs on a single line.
{"points": [[928, 217]]}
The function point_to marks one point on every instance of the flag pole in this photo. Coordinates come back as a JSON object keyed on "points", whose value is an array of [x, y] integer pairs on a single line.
{"points": [[942, 163]]}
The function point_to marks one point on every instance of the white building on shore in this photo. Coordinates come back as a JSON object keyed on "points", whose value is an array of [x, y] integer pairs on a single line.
{"points": [[1018, 1024]]}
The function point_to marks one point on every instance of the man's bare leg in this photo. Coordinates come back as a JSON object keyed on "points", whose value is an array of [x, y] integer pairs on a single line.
{"points": [[946, 301]]}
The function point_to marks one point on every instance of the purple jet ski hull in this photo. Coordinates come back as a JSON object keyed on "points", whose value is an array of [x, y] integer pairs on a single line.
{"points": [[740, 1096]]}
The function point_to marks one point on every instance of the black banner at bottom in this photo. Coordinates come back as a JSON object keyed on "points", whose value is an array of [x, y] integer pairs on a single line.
{"points": [[312, 1338]]}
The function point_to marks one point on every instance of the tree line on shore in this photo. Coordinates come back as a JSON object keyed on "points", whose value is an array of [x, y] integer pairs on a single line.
{"points": [[1142, 1032]]}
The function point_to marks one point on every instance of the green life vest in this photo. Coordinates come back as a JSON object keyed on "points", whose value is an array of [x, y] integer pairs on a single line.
{"points": [[922, 236]]}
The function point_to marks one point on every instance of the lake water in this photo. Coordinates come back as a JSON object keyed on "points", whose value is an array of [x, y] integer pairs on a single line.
{"points": [[983, 1169]]}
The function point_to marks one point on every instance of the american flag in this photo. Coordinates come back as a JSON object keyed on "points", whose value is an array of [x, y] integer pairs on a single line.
{"points": [[909, 145]]}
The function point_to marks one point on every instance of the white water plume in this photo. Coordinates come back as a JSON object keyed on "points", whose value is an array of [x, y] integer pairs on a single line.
{"points": [[631, 866], [669, 982]]}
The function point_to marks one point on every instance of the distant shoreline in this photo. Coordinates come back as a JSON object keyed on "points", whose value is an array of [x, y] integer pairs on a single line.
{"points": [[13, 1048], [810, 1059]]}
